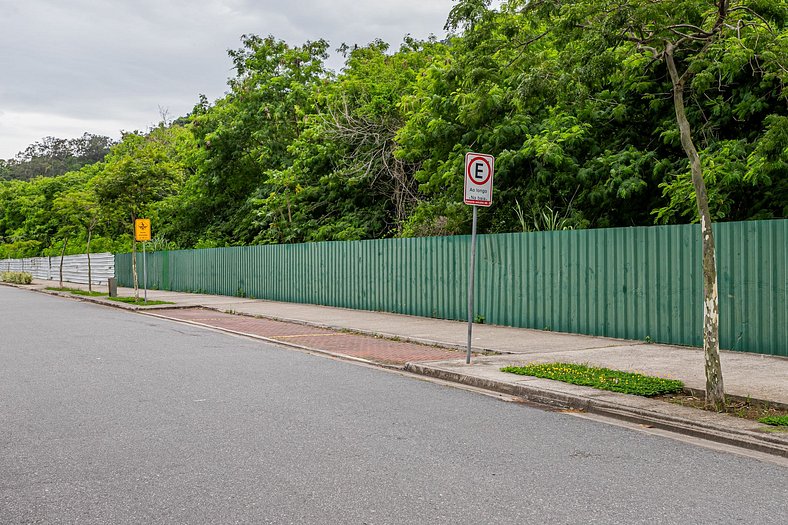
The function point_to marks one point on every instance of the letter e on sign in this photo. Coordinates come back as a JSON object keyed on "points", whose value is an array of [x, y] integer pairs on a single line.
{"points": [[142, 229], [479, 169]]}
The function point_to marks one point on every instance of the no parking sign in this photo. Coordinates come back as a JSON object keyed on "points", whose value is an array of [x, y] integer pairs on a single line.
{"points": [[479, 169]]}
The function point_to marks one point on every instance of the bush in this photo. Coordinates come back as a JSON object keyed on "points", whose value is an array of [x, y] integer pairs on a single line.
{"points": [[17, 277], [602, 378]]}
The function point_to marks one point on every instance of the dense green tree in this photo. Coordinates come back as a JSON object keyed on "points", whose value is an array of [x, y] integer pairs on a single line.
{"points": [[245, 138], [346, 180], [139, 171]]}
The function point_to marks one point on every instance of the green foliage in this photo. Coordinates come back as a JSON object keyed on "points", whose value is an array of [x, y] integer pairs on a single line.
{"points": [[86, 293], [778, 421], [546, 219], [140, 170], [160, 243], [577, 112], [437, 218], [245, 139], [732, 89], [20, 249], [16, 277], [601, 378]]}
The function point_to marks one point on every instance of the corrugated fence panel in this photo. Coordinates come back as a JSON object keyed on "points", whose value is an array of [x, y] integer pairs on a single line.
{"points": [[75, 267], [635, 283], [753, 278]]}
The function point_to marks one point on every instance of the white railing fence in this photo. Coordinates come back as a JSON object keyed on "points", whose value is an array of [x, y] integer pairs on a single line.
{"points": [[75, 267]]}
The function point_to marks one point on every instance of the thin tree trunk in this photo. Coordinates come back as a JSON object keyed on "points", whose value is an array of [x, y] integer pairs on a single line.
{"points": [[62, 256], [90, 270], [715, 392]]}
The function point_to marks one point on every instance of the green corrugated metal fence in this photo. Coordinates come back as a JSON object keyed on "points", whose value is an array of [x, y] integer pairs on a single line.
{"points": [[631, 283]]}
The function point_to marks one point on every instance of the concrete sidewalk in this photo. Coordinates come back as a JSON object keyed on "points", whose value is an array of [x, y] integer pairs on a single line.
{"points": [[746, 375]]}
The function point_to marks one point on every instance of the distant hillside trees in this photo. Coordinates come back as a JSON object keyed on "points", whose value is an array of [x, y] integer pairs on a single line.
{"points": [[51, 157]]}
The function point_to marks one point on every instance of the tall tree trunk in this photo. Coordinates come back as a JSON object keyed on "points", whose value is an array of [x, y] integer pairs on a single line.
{"points": [[62, 256], [715, 392]]}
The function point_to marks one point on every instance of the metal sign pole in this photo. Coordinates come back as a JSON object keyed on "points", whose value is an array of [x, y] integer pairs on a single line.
{"points": [[145, 271], [470, 286]]}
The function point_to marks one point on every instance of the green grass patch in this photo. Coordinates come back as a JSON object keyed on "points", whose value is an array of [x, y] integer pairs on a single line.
{"points": [[601, 378], [777, 421], [138, 302], [89, 294]]}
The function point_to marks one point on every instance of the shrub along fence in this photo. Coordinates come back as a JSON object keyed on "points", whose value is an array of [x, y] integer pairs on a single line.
{"points": [[636, 283]]}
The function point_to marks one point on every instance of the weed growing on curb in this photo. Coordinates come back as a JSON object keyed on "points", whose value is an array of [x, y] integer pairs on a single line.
{"points": [[138, 302], [88, 294], [601, 378], [777, 421]]}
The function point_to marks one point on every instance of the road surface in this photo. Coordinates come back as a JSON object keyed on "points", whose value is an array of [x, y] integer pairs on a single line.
{"points": [[108, 416]]}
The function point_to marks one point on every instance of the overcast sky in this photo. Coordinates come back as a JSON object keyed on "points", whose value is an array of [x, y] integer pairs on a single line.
{"points": [[101, 66]]}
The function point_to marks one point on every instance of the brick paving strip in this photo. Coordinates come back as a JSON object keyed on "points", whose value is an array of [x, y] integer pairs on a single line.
{"points": [[345, 344]]}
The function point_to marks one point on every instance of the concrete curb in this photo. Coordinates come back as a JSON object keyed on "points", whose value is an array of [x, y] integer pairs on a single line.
{"points": [[707, 425]]}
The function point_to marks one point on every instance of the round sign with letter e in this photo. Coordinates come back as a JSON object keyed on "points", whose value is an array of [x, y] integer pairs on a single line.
{"points": [[479, 170]]}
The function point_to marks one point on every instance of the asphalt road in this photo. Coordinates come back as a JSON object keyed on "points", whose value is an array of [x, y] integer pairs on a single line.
{"points": [[112, 417]]}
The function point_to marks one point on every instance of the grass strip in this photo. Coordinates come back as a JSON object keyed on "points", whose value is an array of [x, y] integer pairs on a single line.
{"points": [[138, 302], [601, 378], [89, 294], [76, 291], [777, 421]]}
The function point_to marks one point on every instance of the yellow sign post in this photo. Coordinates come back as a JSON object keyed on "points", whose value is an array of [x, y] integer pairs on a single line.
{"points": [[142, 229], [142, 233]]}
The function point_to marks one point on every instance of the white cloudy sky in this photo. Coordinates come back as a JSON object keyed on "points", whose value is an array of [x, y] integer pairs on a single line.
{"points": [[101, 66]]}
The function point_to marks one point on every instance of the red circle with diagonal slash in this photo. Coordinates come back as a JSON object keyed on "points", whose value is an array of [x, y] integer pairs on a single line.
{"points": [[489, 170]]}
